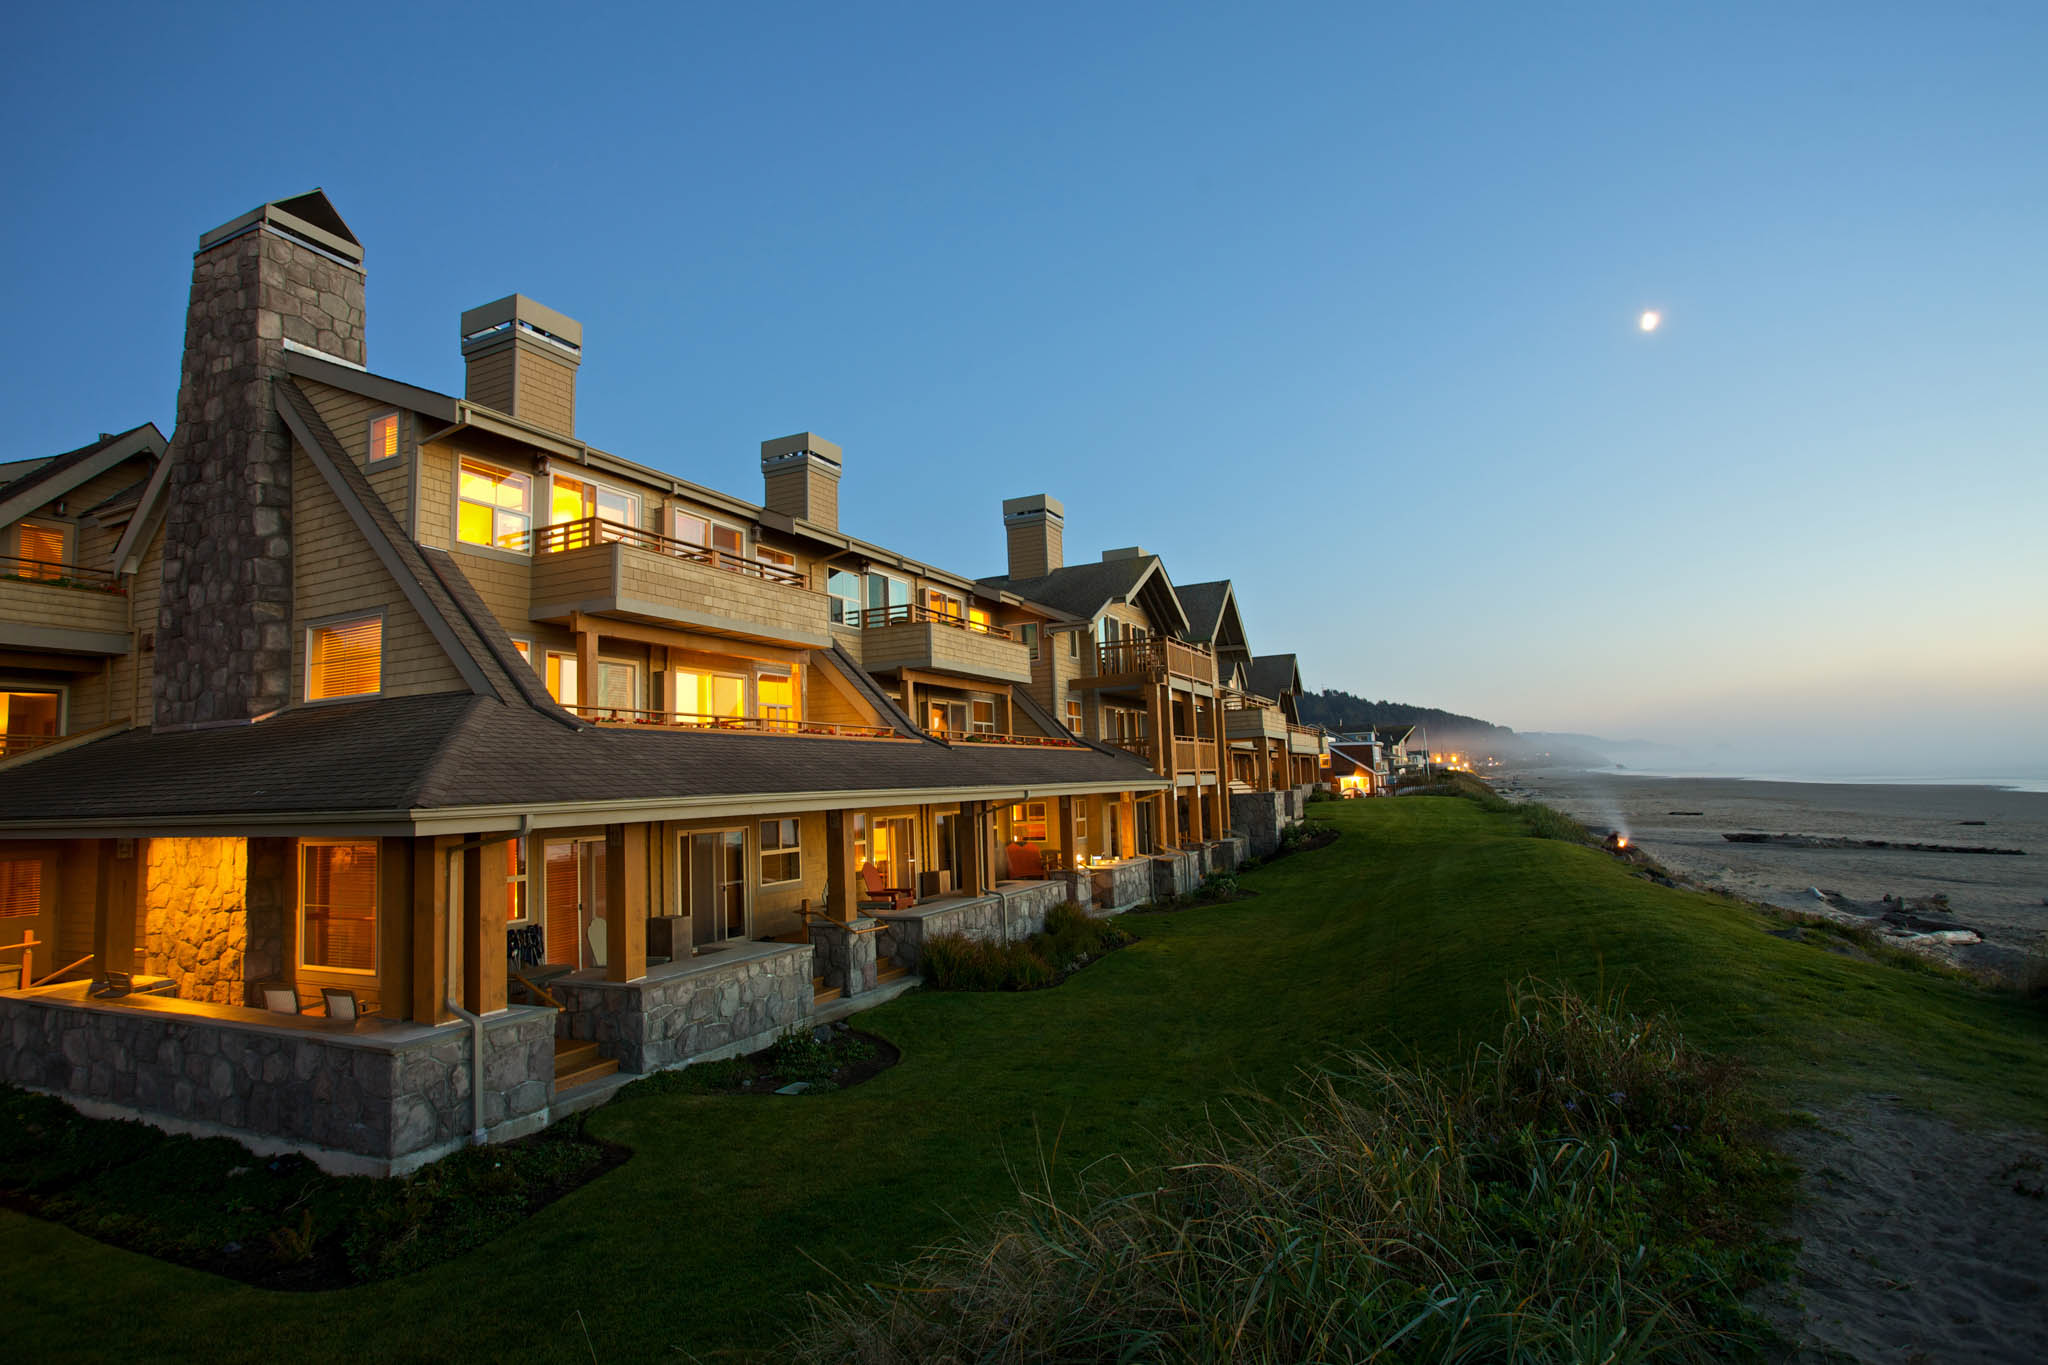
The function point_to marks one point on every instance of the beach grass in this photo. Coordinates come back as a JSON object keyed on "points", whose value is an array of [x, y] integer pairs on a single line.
{"points": [[1404, 937]]}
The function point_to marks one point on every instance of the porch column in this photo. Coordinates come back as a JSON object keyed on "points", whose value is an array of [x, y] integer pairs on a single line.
{"points": [[1159, 716], [1196, 823], [430, 931], [625, 902], [1166, 833], [484, 895], [973, 851], [1066, 822], [839, 870], [586, 668]]}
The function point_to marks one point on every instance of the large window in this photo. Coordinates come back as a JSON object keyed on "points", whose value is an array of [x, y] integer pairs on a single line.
{"points": [[944, 604], [338, 906], [573, 499], [1074, 715], [947, 717], [781, 856], [707, 534], [618, 684], [29, 719], [41, 548], [345, 658], [1027, 822], [888, 598], [983, 721], [709, 697], [775, 697], [844, 589], [493, 506], [563, 684]]}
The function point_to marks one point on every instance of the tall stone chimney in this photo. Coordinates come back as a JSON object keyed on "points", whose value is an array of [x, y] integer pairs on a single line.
{"points": [[1036, 528], [286, 273], [801, 474], [522, 359]]}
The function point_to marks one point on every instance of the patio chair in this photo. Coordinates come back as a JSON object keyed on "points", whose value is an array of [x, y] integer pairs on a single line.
{"points": [[899, 897], [281, 999], [111, 985], [1026, 864], [342, 1005]]}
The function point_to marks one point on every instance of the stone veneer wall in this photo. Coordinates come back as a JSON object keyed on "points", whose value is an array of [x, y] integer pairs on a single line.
{"points": [[1122, 884], [695, 1014], [224, 620], [1014, 911], [1260, 816], [1175, 873], [843, 955], [196, 925], [359, 1094]]}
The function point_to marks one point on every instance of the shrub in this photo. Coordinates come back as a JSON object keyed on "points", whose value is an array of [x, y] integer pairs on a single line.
{"points": [[1576, 1192], [954, 962], [1547, 822]]}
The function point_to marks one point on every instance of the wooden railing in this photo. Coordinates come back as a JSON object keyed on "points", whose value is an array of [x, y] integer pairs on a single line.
{"points": [[1153, 655], [760, 725], [1234, 700], [59, 575], [994, 737], [873, 618], [1133, 744], [1193, 755], [578, 535], [10, 745]]}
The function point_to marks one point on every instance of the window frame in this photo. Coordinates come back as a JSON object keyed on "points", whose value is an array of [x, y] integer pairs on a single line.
{"points": [[327, 623], [376, 909], [842, 605], [975, 725], [373, 462], [1028, 633], [67, 537], [711, 523], [636, 503], [792, 851], [11, 684], [525, 476], [1077, 719]]}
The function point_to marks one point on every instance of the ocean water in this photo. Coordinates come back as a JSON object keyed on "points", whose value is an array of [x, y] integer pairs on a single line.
{"points": [[2017, 783]]}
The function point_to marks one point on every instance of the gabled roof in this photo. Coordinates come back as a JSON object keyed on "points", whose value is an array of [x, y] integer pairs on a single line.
{"points": [[1083, 590], [55, 477], [1275, 675]]}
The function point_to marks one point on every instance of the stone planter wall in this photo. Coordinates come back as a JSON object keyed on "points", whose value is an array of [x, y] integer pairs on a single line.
{"points": [[1174, 874], [844, 954], [1123, 884], [1259, 817], [390, 1100], [1231, 853], [1026, 904], [692, 1012], [904, 932]]}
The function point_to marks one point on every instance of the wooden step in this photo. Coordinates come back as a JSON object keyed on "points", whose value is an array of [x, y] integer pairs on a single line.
{"points": [[887, 970], [825, 995], [597, 1068]]}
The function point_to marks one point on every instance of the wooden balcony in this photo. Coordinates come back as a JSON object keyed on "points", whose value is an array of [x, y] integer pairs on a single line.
{"points": [[1194, 755], [1133, 663], [601, 568], [1302, 739], [1254, 722], [915, 637], [756, 725], [67, 608]]}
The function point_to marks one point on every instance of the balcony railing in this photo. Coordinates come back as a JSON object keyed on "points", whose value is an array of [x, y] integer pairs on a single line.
{"points": [[10, 745], [1154, 655], [578, 535], [760, 725], [58, 575], [874, 618], [994, 737], [1133, 744], [1234, 700], [1193, 755]]}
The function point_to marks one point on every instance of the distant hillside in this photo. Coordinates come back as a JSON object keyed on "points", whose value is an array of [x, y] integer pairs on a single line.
{"points": [[1342, 711]]}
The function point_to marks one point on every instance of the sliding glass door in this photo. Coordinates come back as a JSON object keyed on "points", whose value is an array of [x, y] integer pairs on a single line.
{"points": [[714, 875]]}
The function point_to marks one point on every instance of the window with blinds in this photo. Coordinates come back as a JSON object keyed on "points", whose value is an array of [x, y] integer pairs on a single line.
{"points": [[338, 906], [21, 888], [41, 548], [345, 659], [384, 438]]}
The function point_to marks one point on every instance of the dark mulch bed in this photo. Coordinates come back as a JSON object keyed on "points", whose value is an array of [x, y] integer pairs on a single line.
{"points": [[275, 1222], [828, 1057]]}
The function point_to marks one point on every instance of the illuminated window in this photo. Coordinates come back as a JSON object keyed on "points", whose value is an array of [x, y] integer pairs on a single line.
{"points": [[516, 911], [1027, 822], [781, 858], [977, 619], [704, 698], [573, 499], [40, 548], [776, 557], [984, 718], [1074, 716], [775, 696], [525, 648], [384, 438], [493, 506], [561, 679], [345, 658], [338, 906], [949, 717], [21, 888], [943, 604], [29, 719]]}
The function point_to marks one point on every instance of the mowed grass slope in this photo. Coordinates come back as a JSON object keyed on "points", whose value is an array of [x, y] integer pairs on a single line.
{"points": [[1401, 936]]}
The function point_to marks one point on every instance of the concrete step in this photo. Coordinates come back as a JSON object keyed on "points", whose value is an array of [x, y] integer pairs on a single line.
{"points": [[595, 1069]]}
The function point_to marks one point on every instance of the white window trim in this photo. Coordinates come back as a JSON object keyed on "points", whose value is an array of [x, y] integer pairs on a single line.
{"points": [[455, 539], [63, 691], [579, 475], [306, 696], [762, 852], [639, 680], [527, 654], [708, 520], [376, 910]]}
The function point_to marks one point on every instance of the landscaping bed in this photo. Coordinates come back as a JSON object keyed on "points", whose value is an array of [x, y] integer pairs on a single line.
{"points": [[276, 1222], [1073, 938]]}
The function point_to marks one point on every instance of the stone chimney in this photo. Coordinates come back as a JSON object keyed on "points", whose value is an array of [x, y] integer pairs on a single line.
{"points": [[1036, 528], [522, 358], [288, 274], [801, 474]]}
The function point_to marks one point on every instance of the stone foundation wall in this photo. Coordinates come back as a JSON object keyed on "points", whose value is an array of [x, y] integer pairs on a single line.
{"points": [[844, 954], [1231, 853], [1259, 817], [1006, 915], [348, 1093], [1025, 906], [196, 927], [1124, 884], [1175, 874], [665, 1021]]}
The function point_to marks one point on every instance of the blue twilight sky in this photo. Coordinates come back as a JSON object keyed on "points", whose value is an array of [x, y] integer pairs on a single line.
{"points": [[1336, 301]]}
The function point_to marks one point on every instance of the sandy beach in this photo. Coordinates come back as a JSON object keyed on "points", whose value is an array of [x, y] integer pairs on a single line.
{"points": [[2000, 897]]}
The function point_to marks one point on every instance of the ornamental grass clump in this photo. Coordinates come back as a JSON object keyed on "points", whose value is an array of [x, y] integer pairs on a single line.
{"points": [[1072, 938], [1577, 1192]]}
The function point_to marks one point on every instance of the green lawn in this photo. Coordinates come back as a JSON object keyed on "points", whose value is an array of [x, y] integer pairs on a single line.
{"points": [[1402, 935]]}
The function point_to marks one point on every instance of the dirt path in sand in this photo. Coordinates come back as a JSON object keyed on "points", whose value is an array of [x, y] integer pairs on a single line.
{"points": [[1921, 1241]]}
